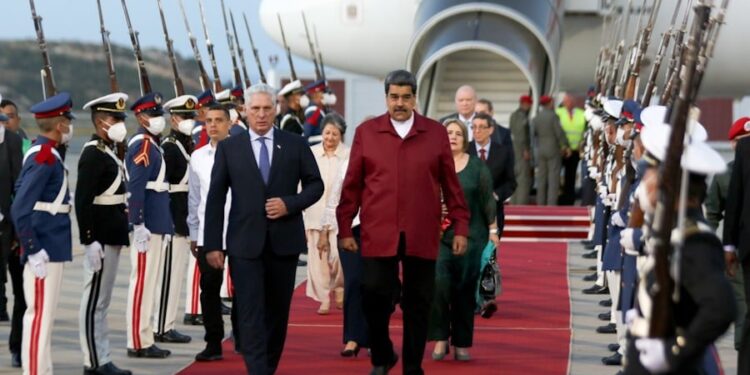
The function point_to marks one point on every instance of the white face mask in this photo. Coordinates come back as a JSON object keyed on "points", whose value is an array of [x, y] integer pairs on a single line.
{"points": [[233, 115], [643, 200], [186, 126], [117, 132], [156, 125], [329, 99], [620, 137], [596, 123], [66, 137], [304, 101]]}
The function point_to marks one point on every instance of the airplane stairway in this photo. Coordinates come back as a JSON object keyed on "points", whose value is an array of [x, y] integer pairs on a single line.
{"points": [[545, 223]]}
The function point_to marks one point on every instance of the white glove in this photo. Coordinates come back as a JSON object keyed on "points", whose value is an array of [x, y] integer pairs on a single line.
{"points": [[609, 200], [141, 236], [38, 262], [630, 316], [653, 356], [617, 220], [627, 243], [94, 255]]}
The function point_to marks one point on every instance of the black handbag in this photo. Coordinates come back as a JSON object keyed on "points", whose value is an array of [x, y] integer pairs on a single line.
{"points": [[490, 282]]}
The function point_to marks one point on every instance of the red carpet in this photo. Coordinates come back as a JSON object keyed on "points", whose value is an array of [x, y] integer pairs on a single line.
{"points": [[529, 335]]}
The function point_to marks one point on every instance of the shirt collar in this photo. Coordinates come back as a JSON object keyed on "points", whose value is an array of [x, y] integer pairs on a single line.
{"points": [[254, 136], [464, 119], [408, 122]]}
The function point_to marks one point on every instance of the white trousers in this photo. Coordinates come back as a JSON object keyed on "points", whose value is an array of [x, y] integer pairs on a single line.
{"points": [[41, 305], [93, 330], [227, 288], [600, 279], [193, 288], [144, 273], [323, 275], [169, 284]]}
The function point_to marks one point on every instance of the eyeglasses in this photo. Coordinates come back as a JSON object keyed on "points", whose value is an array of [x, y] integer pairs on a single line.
{"points": [[479, 127]]}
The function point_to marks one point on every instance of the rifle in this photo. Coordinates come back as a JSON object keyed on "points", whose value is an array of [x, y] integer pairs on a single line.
{"points": [[631, 85], [288, 51], [320, 54], [48, 80], [114, 87], [663, 44], [230, 42], [709, 43], [240, 51], [255, 50], [662, 319], [615, 89], [673, 73], [141, 64], [313, 56], [179, 89], [205, 81], [210, 48]]}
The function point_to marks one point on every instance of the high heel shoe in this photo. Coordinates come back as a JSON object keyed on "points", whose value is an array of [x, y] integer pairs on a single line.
{"points": [[463, 357], [350, 352], [441, 356]]}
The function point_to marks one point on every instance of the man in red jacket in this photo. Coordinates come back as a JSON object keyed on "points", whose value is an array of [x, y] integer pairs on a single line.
{"points": [[400, 162]]}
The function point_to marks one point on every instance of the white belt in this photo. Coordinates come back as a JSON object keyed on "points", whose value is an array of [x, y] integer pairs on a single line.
{"points": [[157, 186], [52, 208], [110, 200], [178, 188]]}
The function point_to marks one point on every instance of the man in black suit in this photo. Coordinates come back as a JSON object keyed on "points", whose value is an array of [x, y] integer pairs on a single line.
{"points": [[500, 134], [10, 167], [265, 233], [737, 238], [499, 159]]}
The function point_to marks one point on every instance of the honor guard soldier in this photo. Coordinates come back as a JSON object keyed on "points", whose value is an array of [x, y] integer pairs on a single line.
{"points": [[291, 121], [314, 111], [177, 146], [238, 98], [705, 307], [227, 99], [103, 227], [205, 100], [148, 206], [40, 214]]}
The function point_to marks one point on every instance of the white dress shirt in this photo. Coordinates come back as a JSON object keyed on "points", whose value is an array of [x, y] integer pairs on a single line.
{"points": [[403, 127], [486, 149], [255, 143], [467, 122], [201, 164]]}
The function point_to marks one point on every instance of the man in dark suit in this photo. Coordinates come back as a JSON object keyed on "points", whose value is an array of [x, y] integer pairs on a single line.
{"points": [[499, 159], [500, 134], [737, 237], [10, 167], [265, 233]]}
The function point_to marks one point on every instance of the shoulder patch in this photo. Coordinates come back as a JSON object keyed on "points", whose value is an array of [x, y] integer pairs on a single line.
{"points": [[45, 155], [142, 156]]}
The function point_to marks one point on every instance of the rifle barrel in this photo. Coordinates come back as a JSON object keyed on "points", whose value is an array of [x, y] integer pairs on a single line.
{"points": [[255, 50], [240, 52], [205, 81], [210, 48], [179, 88], [288, 50], [48, 80], [114, 87]]}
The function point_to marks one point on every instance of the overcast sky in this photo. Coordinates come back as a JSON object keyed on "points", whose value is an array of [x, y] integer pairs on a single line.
{"points": [[78, 20]]}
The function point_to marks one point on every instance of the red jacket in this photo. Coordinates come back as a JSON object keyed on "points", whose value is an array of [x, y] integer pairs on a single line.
{"points": [[396, 185]]}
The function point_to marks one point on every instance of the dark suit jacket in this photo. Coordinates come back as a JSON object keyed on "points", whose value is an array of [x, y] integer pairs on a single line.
{"points": [[500, 162], [501, 135], [248, 229], [10, 166], [737, 216]]}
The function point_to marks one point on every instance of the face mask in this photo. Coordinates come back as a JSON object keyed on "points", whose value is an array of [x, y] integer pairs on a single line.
{"points": [[304, 101], [186, 126], [233, 115], [329, 99], [117, 132], [620, 137], [596, 123], [643, 200], [156, 125], [66, 137]]}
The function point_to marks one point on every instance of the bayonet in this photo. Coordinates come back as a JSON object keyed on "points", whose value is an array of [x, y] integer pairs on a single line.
{"points": [[255, 50], [179, 89], [240, 52], [210, 48], [48, 80], [230, 43], [313, 56], [288, 50], [114, 87], [140, 63], [205, 81]]}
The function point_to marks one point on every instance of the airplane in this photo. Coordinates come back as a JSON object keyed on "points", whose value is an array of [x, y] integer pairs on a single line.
{"points": [[503, 48]]}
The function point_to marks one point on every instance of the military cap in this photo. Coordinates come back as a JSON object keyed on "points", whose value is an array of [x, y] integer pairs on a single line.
{"points": [[545, 99], [739, 128], [291, 88], [205, 98], [317, 86], [183, 104], [697, 157], [149, 104], [224, 97], [613, 107], [238, 92], [58, 105], [630, 109], [656, 115], [113, 104]]}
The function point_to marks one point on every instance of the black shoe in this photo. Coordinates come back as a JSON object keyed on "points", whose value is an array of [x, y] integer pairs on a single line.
{"points": [[208, 355], [586, 242], [613, 347], [596, 289], [589, 246], [606, 316], [172, 336], [301, 263], [225, 310], [351, 352], [613, 360], [106, 369], [592, 268], [488, 309], [609, 328], [193, 319], [151, 352], [590, 255], [15, 359], [591, 277], [383, 370], [4, 315], [605, 303]]}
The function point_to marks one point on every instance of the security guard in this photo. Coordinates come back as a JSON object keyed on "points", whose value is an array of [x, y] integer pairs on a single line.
{"points": [[148, 206], [177, 146], [314, 107], [40, 214], [573, 124], [205, 100], [551, 145], [291, 121], [103, 227]]}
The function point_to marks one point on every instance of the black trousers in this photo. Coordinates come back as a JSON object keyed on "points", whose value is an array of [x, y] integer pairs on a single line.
{"points": [[213, 323], [381, 289], [570, 168], [263, 293], [743, 356], [10, 259], [500, 218], [355, 325]]}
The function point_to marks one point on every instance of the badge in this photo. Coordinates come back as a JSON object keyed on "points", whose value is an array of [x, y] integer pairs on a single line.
{"points": [[190, 104], [120, 105]]}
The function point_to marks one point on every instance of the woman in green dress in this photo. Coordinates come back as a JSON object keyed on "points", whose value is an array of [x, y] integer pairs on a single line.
{"points": [[456, 277]]}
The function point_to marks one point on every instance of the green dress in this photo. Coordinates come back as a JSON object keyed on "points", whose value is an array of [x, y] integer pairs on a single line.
{"points": [[456, 277]]}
